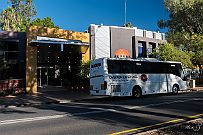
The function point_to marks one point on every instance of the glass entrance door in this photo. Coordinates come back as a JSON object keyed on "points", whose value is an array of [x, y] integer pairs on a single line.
{"points": [[49, 76], [42, 77], [54, 76]]}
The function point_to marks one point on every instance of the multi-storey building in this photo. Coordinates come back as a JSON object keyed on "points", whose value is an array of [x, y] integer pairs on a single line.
{"points": [[106, 41]]}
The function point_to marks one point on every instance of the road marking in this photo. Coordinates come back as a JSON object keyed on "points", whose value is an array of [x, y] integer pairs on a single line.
{"points": [[101, 110], [109, 105], [195, 116], [165, 103], [175, 121], [91, 112], [137, 107], [6, 122]]}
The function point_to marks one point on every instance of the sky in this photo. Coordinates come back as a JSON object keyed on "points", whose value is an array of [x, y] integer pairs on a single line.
{"points": [[77, 15]]}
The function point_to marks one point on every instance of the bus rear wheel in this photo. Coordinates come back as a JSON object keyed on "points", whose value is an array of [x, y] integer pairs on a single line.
{"points": [[175, 89], [136, 92]]}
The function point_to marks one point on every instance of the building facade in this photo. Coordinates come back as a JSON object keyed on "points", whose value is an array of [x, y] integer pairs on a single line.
{"points": [[43, 56], [12, 53], [50, 56], [53, 55], [107, 40]]}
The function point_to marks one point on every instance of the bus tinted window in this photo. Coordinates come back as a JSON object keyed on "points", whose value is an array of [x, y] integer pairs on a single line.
{"points": [[124, 66], [175, 69], [149, 67], [113, 66], [121, 66], [127, 67]]}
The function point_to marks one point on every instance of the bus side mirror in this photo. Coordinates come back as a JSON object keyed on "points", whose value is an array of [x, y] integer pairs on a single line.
{"points": [[184, 78]]}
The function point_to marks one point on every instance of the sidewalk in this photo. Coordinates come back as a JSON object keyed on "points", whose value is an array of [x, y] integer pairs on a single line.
{"points": [[51, 95], [47, 95], [24, 100], [197, 88]]}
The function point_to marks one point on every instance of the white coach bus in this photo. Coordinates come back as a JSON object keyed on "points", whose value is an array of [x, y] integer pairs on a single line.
{"points": [[133, 77]]}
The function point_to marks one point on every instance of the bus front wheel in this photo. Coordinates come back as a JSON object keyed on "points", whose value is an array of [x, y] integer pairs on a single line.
{"points": [[175, 89], [136, 92]]}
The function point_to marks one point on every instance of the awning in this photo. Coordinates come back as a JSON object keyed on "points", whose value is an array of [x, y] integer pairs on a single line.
{"points": [[47, 41]]}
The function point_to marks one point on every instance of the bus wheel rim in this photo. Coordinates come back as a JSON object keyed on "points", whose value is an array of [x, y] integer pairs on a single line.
{"points": [[175, 89], [136, 93]]}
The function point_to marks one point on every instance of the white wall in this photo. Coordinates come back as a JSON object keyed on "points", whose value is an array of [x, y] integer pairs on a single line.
{"points": [[139, 33], [149, 34], [102, 41], [158, 36]]}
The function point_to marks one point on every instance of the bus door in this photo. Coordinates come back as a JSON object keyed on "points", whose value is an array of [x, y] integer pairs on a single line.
{"points": [[152, 84], [163, 83]]}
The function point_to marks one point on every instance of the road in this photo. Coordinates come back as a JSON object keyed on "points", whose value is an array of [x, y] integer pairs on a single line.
{"points": [[102, 116]]}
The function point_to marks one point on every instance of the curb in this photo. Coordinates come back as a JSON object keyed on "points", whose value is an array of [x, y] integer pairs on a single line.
{"points": [[150, 129], [27, 104], [58, 101], [55, 101], [156, 131]]}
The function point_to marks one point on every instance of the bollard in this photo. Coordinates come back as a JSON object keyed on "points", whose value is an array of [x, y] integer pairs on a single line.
{"points": [[192, 83]]}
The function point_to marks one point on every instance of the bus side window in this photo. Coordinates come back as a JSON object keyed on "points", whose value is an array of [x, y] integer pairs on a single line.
{"points": [[113, 66], [175, 70], [137, 67], [127, 67]]}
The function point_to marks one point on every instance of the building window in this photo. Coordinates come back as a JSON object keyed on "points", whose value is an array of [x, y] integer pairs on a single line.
{"points": [[9, 56], [150, 49], [154, 35], [162, 36], [140, 49]]}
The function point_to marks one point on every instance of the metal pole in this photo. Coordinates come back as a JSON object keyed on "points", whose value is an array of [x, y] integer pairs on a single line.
{"points": [[40, 78], [125, 10], [47, 76]]}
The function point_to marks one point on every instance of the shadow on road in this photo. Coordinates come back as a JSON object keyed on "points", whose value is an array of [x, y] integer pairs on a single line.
{"points": [[117, 114]]}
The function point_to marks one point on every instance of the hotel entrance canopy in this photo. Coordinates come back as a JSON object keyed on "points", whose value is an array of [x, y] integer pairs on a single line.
{"points": [[47, 41]]}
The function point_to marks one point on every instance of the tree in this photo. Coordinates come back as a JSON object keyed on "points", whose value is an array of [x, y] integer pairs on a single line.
{"points": [[184, 16], [180, 39], [185, 26], [9, 20], [196, 46], [18, 16], [25, 8], [84, 72], [128, 24], [168, 52], [46, 22]]}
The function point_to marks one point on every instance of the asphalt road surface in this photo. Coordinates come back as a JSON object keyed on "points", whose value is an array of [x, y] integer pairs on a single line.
{"points": [[102, 116]]}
